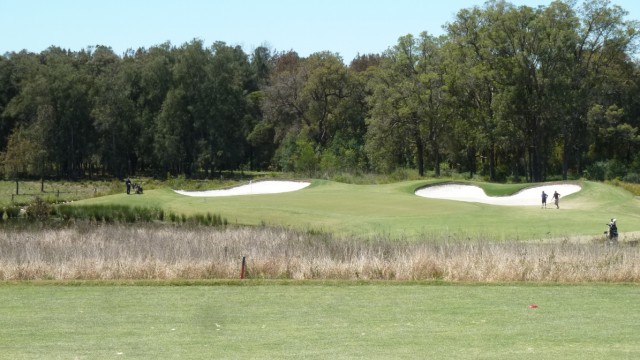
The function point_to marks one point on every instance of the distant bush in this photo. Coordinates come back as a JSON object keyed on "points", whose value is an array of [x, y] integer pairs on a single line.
{"points": [[515, 179], [615, 170], [127, 214], [39, 209], [632, 178], [178, 182], [596, 171], [108, 213], [12, 212], [606, 170]]}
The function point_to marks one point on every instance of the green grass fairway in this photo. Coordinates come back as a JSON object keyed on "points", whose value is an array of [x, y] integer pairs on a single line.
{"points": [[394, 210], [320, 321]]}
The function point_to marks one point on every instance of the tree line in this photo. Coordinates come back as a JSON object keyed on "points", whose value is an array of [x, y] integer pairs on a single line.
{"points": [[508, 93]]}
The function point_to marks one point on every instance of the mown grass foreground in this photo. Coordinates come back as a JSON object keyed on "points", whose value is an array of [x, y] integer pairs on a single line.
{"points": [[393, 210], [320, 321]]}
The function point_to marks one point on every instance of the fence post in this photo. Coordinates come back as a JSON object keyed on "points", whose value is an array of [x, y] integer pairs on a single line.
{"points": [[244, 267]]}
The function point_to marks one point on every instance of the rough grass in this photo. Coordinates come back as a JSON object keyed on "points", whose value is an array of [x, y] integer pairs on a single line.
{"points": [[630, 187], [113, 252], [54, 191]]}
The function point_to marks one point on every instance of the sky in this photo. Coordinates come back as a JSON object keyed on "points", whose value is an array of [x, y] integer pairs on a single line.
{"points": [[346, 27]]}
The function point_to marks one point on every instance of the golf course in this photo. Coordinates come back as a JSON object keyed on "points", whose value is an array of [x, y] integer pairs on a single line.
{"points": [[394, 210], [320, 180], [334, 270]]}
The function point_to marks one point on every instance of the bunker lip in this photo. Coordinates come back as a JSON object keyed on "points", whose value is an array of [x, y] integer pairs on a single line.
{"points": [[252, 188], [471, 193]]}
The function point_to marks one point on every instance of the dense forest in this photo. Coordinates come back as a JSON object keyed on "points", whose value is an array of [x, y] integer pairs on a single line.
{"points": [[508, 93]]}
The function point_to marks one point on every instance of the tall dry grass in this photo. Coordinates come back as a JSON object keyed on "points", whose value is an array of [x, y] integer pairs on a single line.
{"points": [[113, 252]]}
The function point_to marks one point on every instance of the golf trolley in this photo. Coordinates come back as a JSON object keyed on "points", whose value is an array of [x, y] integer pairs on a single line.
{"points": [[137, 188]]}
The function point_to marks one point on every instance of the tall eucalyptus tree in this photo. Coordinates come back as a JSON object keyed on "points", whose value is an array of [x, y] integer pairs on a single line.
{"points": [[530, 77], [260, 135], [228, 123], [602, 74], [309, 104], [150, 77], [54, 96], [179, 130], [473, 81], [113, 113], [408, 116]]}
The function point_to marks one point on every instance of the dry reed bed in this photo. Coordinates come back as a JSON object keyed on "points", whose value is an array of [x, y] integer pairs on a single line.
{"points": [[155, 252]]}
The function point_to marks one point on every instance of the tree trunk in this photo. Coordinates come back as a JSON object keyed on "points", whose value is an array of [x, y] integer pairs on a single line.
{"points": [[420, 156], [538, 150], [530, 164], [471, 158], [492, 163], [436, 155], [565, 158], [537, 166], [473, 162]]}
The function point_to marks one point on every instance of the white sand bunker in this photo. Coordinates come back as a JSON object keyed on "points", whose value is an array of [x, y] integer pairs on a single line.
{"points": [[471, 193], [252, 188]]}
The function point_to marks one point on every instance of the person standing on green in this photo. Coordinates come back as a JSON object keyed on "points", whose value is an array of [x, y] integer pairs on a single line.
{"points": [[556, 199]]}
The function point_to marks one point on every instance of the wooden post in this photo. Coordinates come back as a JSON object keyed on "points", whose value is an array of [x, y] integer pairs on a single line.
{"points": [[244, 267]]}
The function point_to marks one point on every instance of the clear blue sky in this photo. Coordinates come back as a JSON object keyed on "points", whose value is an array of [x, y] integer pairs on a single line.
{"points": [[347, 27]]}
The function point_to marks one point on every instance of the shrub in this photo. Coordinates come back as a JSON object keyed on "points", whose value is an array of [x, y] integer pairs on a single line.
{"points": [[307, 160], [12, 212], [596, 171], [515, 179], [615, 170], [178, 182], [38, 209], [606, 170], [399, 174], [632, 178]]}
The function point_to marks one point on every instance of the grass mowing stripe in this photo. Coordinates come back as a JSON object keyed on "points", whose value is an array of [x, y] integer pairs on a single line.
{"points": [[376, 321]]}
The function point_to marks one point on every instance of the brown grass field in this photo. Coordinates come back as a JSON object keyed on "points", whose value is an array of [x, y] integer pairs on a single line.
{"points": [[160, 252]]}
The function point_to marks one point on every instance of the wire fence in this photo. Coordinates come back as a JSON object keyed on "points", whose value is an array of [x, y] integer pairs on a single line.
{"points": [[52, 192]]}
